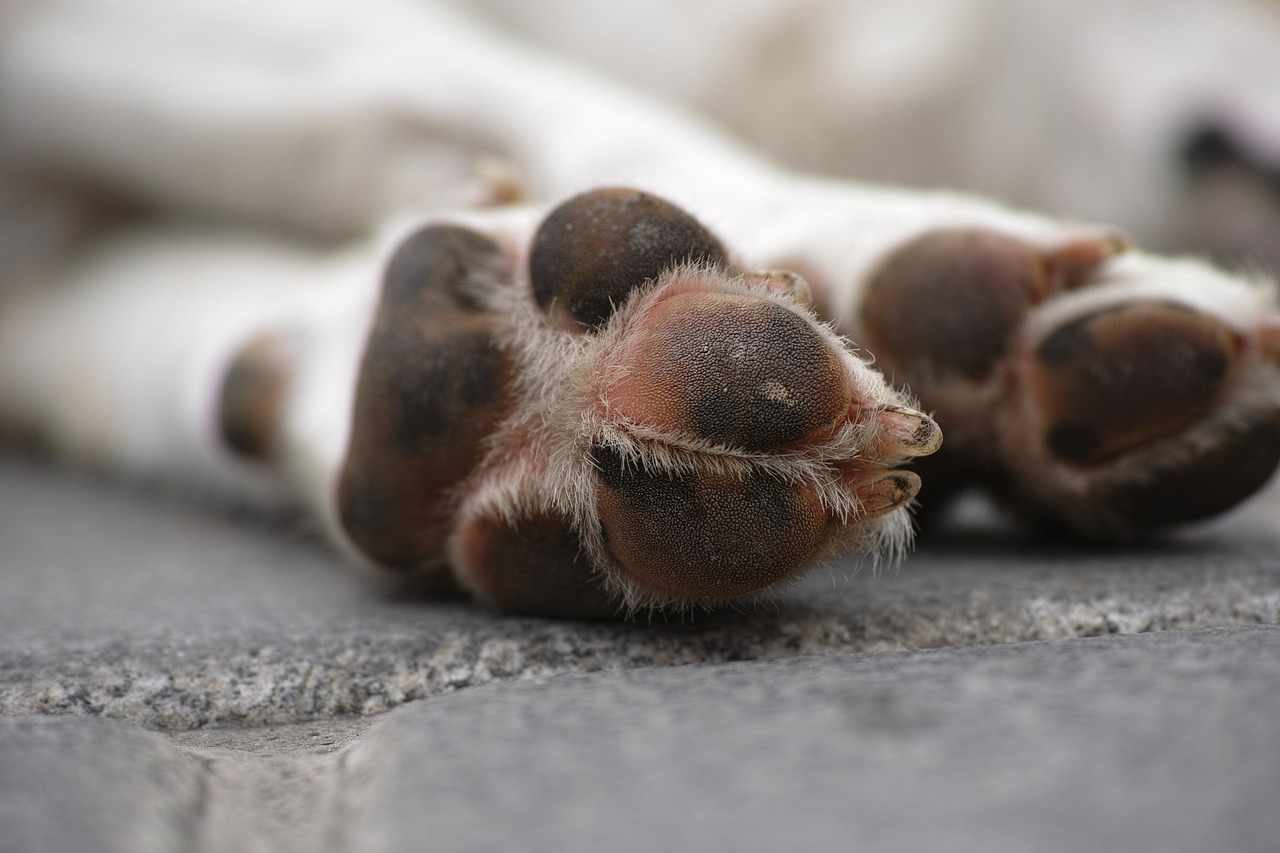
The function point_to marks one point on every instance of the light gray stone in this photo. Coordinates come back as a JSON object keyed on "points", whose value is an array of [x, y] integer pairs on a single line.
{"points": [[1160, 742], [140, 607], [69, 785]]}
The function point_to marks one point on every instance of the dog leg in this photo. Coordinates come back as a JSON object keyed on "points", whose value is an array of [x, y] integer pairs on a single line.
{"points": [[587, 411], [325, 120], [163, 354]]}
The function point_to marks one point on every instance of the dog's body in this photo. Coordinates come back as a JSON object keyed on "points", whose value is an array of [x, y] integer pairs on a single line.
{"points": [[1162, 115], [475, 392]]}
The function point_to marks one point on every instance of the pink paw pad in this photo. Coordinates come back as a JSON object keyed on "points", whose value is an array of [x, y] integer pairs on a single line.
{"points": [[640, 427], [733, 370]]}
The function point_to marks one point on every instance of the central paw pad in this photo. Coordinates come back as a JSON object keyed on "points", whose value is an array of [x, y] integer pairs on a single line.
{"points": [[734, 370]]}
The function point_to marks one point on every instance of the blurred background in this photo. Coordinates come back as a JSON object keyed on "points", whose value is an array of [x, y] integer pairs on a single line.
{"points": [[1159, 116]]}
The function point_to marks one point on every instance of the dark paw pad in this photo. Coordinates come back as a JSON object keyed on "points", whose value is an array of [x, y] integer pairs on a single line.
{"points": [[535, 565], [1128, 376], [251, 399], [735, 370], [705, 535], [948, 303], [592, 251], [439, 262], [1215, 480], [432, 385]]}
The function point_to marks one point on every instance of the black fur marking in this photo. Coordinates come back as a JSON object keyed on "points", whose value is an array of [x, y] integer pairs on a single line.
{"points": [[1210, 149], [1074, 441], [1068, 343]]}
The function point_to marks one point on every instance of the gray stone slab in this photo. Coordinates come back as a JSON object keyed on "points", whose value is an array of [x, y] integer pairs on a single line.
{"points": [[136, 606], [1160, 742], [69, 785]]}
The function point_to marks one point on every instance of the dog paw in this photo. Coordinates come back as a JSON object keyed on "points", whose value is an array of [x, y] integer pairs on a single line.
{"points": [[1109, 391], [600, 412]]}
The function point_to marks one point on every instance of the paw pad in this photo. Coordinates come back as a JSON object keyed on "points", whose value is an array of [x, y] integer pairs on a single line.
{"points": [[433, 383], [733, 370], [534, 564], [705, 534], [591, 252], [633, 425], [1127, 376], [1213, 481], [948, 303], [251, 399]]}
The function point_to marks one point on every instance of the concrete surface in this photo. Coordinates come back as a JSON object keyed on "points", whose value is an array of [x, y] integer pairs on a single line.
{"points": [[1089, 698]]}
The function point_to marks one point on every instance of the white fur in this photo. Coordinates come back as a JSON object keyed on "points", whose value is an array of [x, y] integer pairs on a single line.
{"points": [[975, 95]]}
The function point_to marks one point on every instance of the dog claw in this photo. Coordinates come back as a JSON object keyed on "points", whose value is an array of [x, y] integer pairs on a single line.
{"points": [[784, 282], [891, 491], [908, 432]]}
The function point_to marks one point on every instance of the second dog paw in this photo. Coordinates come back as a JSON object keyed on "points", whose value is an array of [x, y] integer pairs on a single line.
{"points": [[1114, 393]]}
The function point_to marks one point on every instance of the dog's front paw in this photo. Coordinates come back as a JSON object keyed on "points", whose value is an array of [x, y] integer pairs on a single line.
{"points": [[656, 428], [1113, 392]]}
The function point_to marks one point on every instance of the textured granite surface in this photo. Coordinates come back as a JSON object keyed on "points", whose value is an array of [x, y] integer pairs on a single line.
{"points": [[127, 605], [1086, 700], [1158, 742]]}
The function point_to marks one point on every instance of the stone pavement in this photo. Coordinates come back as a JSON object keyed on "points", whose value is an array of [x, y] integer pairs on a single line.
{"points": [[295, 704]]}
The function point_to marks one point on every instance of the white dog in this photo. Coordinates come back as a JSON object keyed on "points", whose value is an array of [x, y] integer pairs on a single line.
{"points": [[595, 361], [1161, 115]]}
